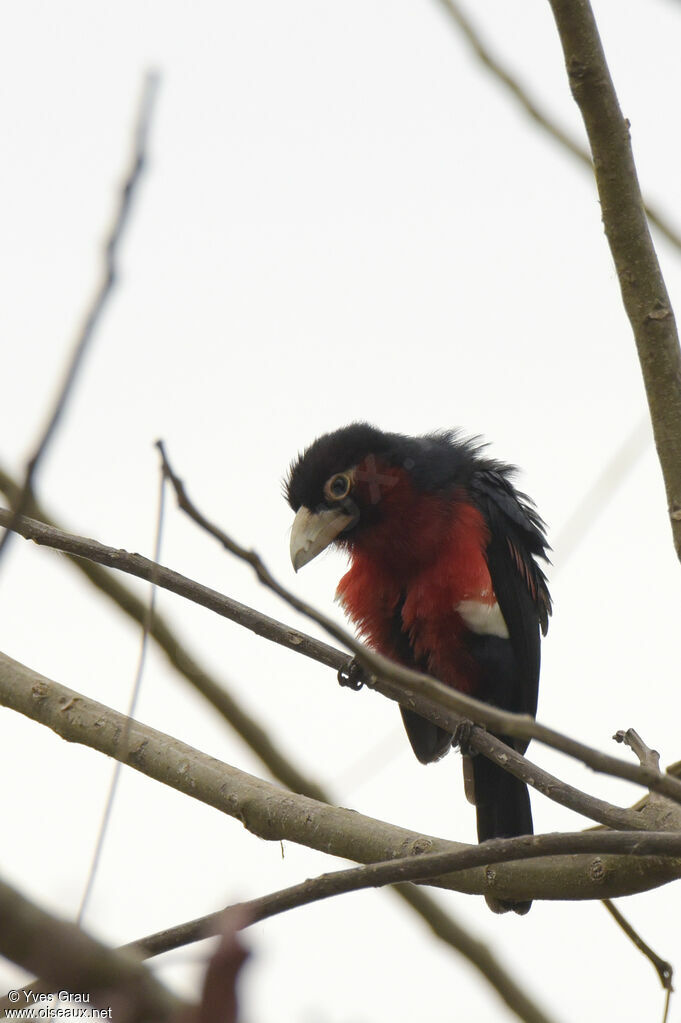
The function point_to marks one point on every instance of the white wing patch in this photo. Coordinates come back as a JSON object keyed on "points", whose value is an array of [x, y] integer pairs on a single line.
{"points": [[483, 618]]}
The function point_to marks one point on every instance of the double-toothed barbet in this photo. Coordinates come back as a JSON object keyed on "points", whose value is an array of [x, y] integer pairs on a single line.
{"points": [[443, 578]]}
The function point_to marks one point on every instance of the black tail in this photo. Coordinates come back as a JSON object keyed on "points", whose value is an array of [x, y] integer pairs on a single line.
{"points": [[502, 803]]}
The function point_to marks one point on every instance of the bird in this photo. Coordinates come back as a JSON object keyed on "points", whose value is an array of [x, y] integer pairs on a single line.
{"points": [[443, 578]]}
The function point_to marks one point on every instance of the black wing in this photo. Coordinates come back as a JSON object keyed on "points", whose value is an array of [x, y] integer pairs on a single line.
{"points": [[516, 540]]}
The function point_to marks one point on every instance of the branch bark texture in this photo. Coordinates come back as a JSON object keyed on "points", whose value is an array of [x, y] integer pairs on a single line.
{"points": [[644, 293], [275, 815]]}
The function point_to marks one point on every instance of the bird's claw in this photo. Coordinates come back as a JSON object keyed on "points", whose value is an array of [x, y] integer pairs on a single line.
{"points": [[462, 738], [352, 675]]}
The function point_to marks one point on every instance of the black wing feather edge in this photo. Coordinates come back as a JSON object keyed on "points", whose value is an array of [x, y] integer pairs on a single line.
{"points": [[516, 539]]}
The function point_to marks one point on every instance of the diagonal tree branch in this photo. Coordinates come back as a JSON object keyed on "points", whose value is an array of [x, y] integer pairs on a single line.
{"points": [[442, 924], [106, 286], [262, 744], [644, 293], [664, 970], [429, 697], [274, 815], [387, 673], [182, 659], [533, 109], [70, 959]]}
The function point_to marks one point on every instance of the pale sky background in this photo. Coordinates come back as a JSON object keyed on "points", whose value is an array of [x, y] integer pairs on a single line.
{"points": [[343, 217]]}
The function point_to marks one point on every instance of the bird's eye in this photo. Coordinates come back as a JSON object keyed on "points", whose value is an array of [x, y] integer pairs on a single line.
{"points": [[338, 486]]}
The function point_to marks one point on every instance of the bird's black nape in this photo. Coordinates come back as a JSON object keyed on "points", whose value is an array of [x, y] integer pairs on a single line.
{"points": [[328, 454], [435, 461]]}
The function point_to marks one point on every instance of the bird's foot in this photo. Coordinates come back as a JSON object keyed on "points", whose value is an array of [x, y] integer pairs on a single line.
{"points": [[353, 676], [462, 738]]}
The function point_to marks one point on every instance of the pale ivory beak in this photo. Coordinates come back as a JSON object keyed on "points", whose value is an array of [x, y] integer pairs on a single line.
{"points": [[312, 533]]}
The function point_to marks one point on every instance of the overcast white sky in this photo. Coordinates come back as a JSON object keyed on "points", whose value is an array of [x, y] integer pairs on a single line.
{"points": [[343, 217]]}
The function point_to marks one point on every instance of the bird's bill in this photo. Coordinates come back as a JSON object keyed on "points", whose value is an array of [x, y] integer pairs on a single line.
{"points": [[312, 532]]}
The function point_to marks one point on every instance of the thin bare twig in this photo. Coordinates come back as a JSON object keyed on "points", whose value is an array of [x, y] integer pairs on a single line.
{"points": [[327, 886], [441, 923], [93, 315], [378, 874], [186, 663], [665, 970], [415, 868], [647, 757], [132, 704], [531, 107], [427, 696]]}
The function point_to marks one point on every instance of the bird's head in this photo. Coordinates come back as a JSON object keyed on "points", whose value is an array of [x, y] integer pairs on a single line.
{"points": [[325, 488], [350, 484]]}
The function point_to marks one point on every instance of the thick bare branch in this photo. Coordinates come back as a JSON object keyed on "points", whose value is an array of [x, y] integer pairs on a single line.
{"points": [[275, 815], [72, 960], [644, 293]]}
